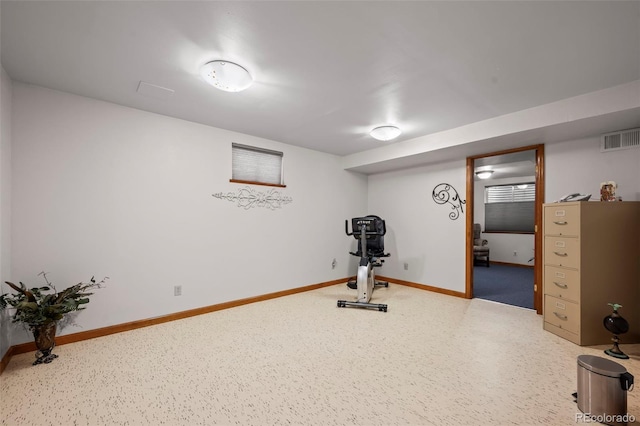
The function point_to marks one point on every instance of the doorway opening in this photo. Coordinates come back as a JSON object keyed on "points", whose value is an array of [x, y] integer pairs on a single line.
{"points": [[507, 207]]}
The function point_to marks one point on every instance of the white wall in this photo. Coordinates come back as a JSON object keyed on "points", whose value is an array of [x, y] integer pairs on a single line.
{"points": [[5, 203], [503, 246], [579, 166], [570, 166], [420, 231], [100, 189]]}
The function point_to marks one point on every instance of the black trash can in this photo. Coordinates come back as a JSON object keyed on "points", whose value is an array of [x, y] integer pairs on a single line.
{"points": [[602, 390]]}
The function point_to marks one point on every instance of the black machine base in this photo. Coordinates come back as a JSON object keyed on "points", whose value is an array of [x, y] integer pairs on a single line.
{"points": [[616, 354], [354, 285], [379, 307]]}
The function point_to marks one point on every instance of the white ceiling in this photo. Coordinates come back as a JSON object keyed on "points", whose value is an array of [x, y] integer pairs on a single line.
{"points": [[515, 164], [327, 72]]}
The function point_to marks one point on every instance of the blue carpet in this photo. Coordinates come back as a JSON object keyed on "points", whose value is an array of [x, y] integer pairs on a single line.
{"points": [[512, 285]]}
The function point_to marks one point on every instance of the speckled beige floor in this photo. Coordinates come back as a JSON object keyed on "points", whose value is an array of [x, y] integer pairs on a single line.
{"points": [[430, 360]]}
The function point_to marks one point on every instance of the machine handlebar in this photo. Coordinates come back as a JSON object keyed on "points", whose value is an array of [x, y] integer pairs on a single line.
{"points": [[362, 225]]}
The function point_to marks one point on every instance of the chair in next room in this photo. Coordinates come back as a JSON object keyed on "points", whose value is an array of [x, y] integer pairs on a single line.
{"points": [[480, 247]]}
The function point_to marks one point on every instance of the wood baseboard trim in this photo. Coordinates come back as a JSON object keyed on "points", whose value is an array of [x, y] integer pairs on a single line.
{"points": [[6, 358], [423, 287], [520, 265], [119, 328]]}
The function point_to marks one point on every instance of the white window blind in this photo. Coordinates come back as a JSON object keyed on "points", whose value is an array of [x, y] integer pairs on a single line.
{"points": [[256, 164], [510, 208], [511, 193]]}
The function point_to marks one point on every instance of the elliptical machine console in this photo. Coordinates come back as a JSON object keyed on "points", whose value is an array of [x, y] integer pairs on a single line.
{"points": [[369, 231]]}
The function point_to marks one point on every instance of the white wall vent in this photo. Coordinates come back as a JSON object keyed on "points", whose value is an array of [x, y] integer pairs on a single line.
{"points": [[622, 139]]}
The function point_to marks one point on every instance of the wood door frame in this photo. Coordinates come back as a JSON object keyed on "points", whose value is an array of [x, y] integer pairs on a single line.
{"points": [[537, 265]]}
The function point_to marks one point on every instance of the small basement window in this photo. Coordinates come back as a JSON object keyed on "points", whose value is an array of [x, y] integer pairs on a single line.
{"points": [[257, 166], [510, 208]]}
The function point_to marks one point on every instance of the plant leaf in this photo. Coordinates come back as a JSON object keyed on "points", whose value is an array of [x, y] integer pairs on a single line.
{"points": [[15, 287], [28, 306]]}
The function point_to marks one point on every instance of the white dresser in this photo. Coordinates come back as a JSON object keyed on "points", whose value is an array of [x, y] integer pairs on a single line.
{"points": [[591, 255]]}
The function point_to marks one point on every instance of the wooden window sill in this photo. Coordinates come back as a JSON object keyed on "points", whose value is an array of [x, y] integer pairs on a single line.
{"points": [[249, 182]]}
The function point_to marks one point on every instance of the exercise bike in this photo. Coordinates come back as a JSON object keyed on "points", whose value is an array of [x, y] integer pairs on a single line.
{"points": [[369, 231]]}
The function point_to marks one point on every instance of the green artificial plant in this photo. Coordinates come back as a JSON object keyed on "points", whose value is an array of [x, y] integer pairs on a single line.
{"points": [[38, 306]]}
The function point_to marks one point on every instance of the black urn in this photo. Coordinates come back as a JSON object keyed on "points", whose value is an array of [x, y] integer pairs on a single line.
{"points": [[616, 325]]}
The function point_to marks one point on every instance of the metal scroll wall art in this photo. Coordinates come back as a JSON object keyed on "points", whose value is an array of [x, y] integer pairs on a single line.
{"points": [[248, 198], [444, 193]]}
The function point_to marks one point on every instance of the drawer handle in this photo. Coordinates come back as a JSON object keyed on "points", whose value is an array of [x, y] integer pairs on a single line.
{"points": [[560, 223], [561, 316], [557, 253], [561, 285]]}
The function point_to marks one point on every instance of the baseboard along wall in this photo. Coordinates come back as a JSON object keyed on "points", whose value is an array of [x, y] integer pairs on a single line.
{"points": [[520, 265], [119, 328]]}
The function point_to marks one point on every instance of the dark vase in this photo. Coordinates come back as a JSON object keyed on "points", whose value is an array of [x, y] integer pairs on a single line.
{"points": [[45, 338], [616, 325]]}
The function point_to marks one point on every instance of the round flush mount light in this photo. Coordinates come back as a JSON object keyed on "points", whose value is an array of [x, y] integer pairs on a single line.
{"points": [[385, 133], [484, 174], [227, 76]]}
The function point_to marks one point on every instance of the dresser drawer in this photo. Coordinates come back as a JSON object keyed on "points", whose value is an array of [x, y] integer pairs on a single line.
{"points": [[562, 251], [562, 283], [562, 219], [562, 313]]}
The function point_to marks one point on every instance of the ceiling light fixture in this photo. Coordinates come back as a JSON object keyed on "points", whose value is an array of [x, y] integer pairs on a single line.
{"points": [[227, 76], [484, 174], [385, 133]]}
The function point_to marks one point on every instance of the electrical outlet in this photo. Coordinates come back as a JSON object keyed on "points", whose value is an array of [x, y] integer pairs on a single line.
{"points": [[334, 263], [406, 266], [177, 290]]}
